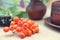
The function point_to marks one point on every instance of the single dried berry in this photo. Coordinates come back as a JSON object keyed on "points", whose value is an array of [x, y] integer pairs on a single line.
{"points": [[21, 35], [6, 29], [16, 19]]}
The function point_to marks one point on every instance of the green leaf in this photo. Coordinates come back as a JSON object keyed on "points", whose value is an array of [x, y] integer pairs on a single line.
{"points": [[22, 14], [13, 10], [15, 2], [2, 12]]}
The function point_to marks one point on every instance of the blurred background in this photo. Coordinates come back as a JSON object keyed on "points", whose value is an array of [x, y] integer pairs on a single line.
{"points": [[14, 7], [9, 3]]}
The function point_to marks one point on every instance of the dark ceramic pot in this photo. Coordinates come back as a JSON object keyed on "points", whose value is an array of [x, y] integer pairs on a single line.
{"points": [[36, 10], [55, 13], [5, 20]]}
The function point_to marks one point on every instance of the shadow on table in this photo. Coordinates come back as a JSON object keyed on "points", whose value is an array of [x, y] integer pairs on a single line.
{"points": [[53, 28]]}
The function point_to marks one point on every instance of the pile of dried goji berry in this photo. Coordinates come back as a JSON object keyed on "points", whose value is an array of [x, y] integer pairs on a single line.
{"points": [[23, 26]]}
